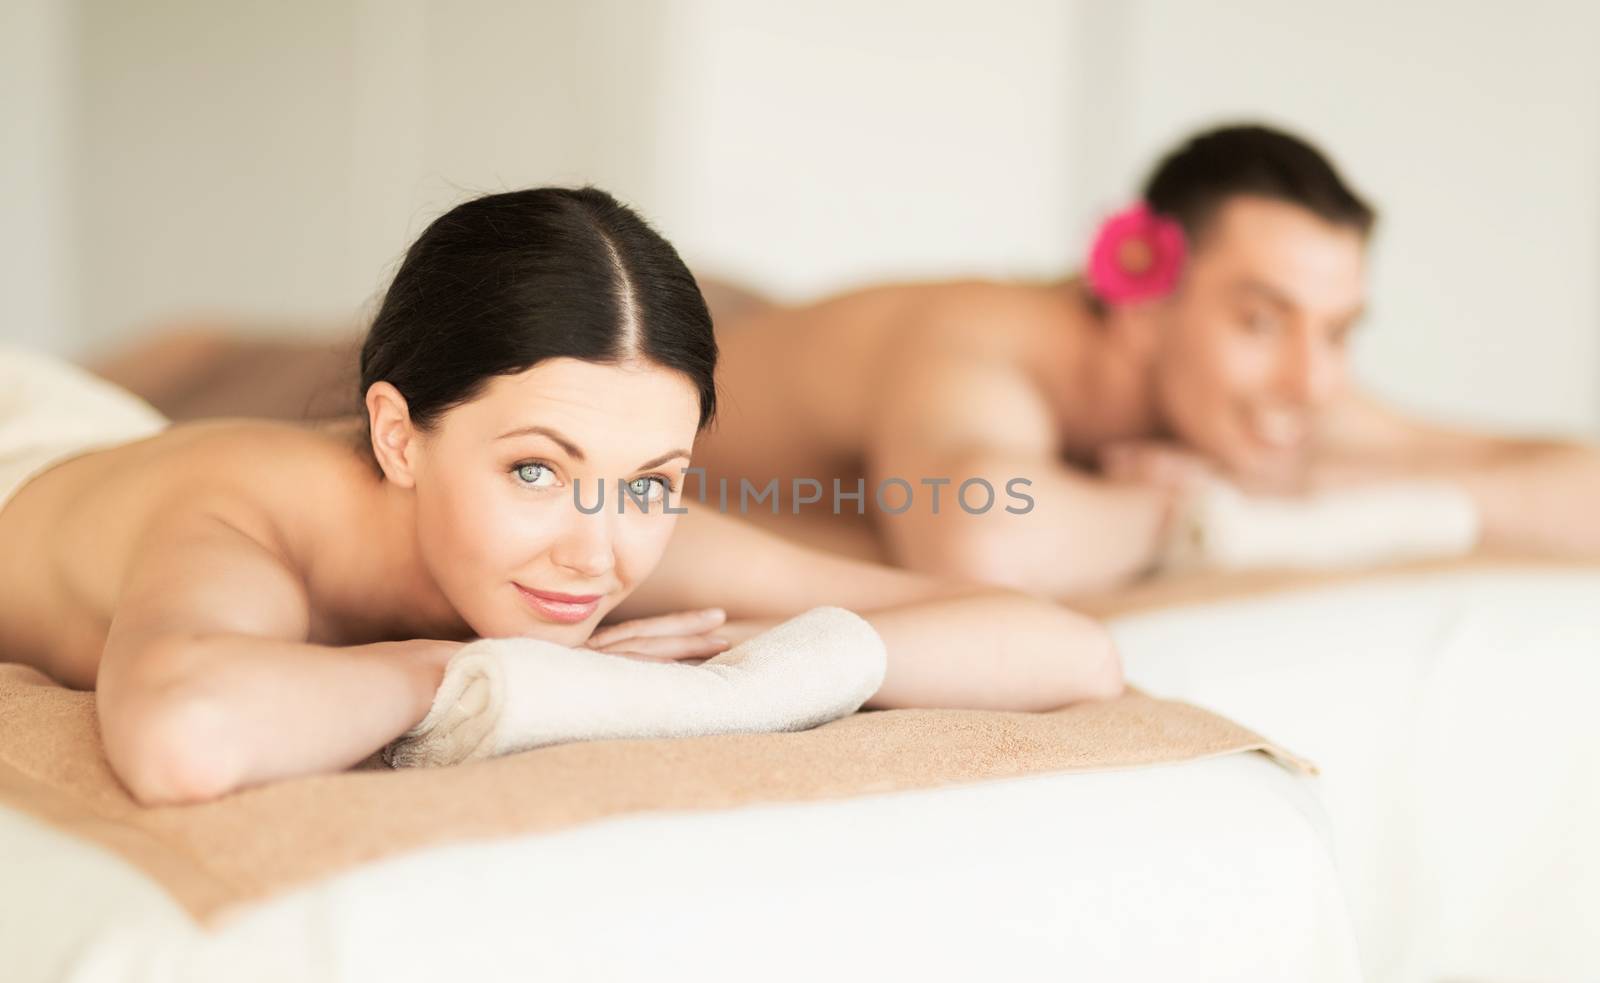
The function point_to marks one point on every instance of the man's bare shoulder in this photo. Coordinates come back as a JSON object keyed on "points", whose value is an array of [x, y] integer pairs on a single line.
{"points": [[992, 316]]}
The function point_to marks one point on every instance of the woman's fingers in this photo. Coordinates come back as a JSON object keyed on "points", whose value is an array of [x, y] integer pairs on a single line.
{"points": [[658, 658], [669, 649], [681, 623], [679, 637]]}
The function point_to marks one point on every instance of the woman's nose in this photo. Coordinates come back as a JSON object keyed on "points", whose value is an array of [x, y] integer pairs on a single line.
{"points": [[584, 545]]}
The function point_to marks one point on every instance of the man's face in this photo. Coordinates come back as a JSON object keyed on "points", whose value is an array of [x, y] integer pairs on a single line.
{"points": [[1252, 345]]}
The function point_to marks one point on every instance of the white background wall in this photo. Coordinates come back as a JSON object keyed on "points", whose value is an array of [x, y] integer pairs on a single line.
{"points": [[37, 86], [270, 161], [1475, 127], [820, 144]]}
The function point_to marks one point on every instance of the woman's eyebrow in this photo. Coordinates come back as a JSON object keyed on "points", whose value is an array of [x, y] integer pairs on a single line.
{"points": [[555, 435]]}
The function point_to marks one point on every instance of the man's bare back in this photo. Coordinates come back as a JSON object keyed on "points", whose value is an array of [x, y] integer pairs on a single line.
{"points": [[810, 391]]}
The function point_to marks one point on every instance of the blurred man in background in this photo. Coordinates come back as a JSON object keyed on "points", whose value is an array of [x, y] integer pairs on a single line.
{"points": [[1204, 352]]}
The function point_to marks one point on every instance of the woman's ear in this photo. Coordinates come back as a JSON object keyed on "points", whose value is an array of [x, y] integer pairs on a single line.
{"points": [[394, 440]]}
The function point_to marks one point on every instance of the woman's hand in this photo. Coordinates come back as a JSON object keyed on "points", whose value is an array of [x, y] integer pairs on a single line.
{"points": [[666, 638]]}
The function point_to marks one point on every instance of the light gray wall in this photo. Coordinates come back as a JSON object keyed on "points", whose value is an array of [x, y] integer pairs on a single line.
{"points": [[37, 80], [1476, 129]]}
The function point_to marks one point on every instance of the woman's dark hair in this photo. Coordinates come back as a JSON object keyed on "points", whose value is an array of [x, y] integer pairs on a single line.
{"points": [[500, 283], [1194, 180]]}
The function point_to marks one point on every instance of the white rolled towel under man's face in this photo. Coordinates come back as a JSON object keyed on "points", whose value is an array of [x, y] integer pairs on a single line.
{"points": [[501, 695], [1216, 526]]}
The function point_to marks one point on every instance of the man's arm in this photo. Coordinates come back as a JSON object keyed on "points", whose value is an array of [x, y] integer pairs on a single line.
{"points": [[974, 416], [1532, 496]]}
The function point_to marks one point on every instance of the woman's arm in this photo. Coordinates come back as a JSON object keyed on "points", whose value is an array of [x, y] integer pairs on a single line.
{"points": [[950, 644], [207, 686]]}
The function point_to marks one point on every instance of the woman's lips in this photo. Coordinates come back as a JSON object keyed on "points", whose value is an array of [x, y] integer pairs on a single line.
{"points": [[566, 609]]}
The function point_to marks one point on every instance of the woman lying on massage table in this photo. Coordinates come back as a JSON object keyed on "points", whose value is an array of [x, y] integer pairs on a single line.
{"points": [[257, 600]]}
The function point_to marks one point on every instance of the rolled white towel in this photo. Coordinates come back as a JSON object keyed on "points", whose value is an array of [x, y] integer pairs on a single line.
{"points": [[501, 695], [1219, 527]]}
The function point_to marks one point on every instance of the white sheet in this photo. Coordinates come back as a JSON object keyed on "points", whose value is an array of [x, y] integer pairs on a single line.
{"points": [[1454, 717], [1209, 870]]}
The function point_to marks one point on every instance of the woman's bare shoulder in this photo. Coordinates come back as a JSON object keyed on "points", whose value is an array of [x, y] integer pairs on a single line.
{"points": [[94, 521], [269, 473], [276, 482], [310, 439]]}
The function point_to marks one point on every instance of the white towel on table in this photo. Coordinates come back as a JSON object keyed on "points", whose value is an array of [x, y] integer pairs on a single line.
{"points": [[1218, 527], [502, 695]]}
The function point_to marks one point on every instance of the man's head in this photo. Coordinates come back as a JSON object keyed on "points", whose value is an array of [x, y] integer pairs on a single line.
{"points": [[1251, 345]]}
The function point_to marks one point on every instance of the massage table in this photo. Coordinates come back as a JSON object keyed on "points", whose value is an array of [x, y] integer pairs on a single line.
{"points": [[1215, 869], [1451, 709], [1133, 839], [1446, 837]]}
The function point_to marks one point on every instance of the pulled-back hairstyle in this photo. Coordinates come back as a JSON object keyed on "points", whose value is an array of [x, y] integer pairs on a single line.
{"points": [[1194, 180], [500, 283]]}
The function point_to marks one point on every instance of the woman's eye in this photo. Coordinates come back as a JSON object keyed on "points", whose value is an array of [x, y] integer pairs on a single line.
{"points": [[534, 475], [649, 488]]}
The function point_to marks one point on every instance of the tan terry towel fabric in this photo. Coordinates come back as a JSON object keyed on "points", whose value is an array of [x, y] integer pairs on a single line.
{"points": [[260, 841]]}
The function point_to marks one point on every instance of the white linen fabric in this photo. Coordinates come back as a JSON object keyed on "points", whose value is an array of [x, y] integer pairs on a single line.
{"points": [[1207, 870], [1453, 717]]}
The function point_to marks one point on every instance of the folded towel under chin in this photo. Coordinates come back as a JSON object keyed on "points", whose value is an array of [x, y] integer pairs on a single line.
{"points": [[502, 695]]}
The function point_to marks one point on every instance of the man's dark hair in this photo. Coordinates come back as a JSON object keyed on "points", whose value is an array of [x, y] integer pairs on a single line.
{"points": [[1192, 182]]}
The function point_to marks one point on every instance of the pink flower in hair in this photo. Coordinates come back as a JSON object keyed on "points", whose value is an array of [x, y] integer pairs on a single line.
{"points": [[1137, 255]]}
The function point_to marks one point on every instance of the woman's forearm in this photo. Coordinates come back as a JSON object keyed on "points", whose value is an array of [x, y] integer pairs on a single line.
{"points": [[211, 714], [993, 651], [950, 643], [983, 650]]}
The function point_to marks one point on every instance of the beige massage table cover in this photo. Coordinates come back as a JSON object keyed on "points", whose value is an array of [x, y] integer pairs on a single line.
{"points": [[257, 842]]}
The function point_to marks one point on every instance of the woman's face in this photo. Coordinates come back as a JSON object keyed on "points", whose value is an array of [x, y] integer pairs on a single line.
{"points": [[497, 521]]}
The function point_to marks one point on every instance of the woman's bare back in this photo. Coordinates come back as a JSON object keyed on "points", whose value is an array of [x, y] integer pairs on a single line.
{"points": [[75, 533]]}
